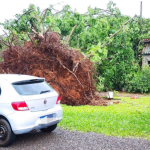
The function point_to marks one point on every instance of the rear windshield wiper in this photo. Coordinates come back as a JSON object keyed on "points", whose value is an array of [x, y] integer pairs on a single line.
{"points": [[44, 91]]}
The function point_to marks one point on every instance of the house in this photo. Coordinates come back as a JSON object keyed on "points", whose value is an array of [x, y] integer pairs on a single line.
{"points": [[146, 52]]}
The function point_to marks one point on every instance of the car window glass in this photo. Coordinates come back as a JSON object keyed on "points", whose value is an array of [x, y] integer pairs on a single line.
{"points": [[32, 87]]}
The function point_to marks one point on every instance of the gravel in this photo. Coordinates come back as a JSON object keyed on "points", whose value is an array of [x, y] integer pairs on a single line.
{"points": [[67, 140]]}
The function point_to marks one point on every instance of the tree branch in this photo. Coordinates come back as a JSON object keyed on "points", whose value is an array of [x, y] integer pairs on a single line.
{"points": [[107, 42]]}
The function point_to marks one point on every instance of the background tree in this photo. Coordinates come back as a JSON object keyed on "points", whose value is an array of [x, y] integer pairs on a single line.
{"points": [[114, 47]]}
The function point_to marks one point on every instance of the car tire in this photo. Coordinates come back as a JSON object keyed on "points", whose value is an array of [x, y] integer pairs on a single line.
{"points": [[7, 136], [49, 129]]}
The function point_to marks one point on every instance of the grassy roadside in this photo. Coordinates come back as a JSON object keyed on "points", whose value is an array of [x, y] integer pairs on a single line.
{"points": [[131, 118]]}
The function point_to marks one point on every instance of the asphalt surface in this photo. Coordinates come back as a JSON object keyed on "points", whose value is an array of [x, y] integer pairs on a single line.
{"points": [[66, 140]]}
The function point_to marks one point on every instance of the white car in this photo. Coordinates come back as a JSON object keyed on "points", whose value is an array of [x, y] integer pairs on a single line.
{"points": [[27, 103]]}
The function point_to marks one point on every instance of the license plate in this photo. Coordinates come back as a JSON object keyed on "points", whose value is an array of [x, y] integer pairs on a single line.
{"points": [[46, 119]]}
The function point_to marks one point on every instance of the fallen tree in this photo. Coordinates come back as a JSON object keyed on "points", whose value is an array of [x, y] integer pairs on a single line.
{"points": [[66, 70]]}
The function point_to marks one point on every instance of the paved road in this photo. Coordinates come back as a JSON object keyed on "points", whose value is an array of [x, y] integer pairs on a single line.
{"points": [[66, 140]]}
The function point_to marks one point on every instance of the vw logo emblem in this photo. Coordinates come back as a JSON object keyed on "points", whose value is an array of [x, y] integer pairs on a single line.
{"points": [[45, 101]]}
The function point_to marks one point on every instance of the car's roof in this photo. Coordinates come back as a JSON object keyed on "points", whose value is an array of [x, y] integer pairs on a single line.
{"points": [[17, 77]]}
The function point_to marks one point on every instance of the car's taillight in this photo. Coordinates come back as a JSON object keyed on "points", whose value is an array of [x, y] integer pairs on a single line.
{"points": [[58, 100], [20, 106]]}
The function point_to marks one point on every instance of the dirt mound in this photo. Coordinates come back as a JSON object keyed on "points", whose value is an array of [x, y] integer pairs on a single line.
{"points": [[66, 70]]}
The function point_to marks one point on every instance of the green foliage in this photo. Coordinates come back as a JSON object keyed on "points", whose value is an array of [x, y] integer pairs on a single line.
{"points": [[100, 83], [98, 53], [139, 81], [115, 70], [128, 119]]}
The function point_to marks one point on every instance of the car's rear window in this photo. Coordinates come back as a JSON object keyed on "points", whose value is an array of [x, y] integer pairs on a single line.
{"points": [[32, 87]]}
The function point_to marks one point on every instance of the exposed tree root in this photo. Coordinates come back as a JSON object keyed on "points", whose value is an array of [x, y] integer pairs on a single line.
{"points": [[67, 71]]}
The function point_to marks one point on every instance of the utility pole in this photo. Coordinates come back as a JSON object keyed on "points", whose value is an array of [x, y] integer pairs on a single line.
{"points": [[141, 14]]}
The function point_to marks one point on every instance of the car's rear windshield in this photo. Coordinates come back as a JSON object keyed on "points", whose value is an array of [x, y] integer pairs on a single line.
{"points": [[32, 87]]}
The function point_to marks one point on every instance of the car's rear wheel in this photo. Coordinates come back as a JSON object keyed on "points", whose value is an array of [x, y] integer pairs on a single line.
{"points": [[7, 137], [49, 129]]}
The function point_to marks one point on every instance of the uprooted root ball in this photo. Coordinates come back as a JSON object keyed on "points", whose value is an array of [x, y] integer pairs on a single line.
{"points": [[66, 70]]}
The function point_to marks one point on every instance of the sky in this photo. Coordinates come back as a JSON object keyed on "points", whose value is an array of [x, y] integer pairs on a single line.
{"points": [[8, 8]]}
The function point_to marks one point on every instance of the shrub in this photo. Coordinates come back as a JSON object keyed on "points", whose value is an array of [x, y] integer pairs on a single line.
{"points": [[139, 81]]}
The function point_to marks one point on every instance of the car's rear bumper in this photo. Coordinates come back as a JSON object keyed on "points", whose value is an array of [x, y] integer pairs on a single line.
{"points": [[32, 128], [26, 121]]}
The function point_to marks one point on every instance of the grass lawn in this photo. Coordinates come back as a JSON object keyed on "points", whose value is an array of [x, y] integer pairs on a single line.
{"points": [[131, 118]]}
